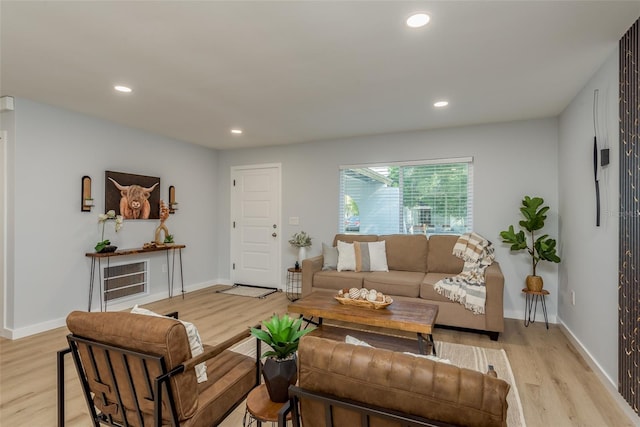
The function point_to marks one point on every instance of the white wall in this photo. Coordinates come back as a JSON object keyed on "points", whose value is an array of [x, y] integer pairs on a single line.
{"points": [[590, 253], [52, 150], [510, 160]]}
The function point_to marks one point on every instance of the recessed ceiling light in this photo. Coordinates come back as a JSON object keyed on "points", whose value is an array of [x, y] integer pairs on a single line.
{"points": [[418, 20], [440, 104], [236, 131], [123, 89]]}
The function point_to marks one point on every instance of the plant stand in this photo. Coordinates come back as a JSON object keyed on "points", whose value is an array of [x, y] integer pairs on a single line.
{"points": [[261, 409], [294, 285], [531, 303]]}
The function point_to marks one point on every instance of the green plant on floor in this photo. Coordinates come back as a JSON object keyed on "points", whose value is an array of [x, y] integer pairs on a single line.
{"points": [[282, 334], [541, 248]]}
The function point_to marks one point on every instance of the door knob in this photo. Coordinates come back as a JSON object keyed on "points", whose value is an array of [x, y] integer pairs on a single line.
{"points": [[274, 235]]}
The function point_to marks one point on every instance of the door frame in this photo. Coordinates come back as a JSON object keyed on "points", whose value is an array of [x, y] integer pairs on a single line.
{"points": [[233, 243]]}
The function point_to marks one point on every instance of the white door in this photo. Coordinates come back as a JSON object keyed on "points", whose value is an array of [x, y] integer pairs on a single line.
{"points": [[255, 225]]}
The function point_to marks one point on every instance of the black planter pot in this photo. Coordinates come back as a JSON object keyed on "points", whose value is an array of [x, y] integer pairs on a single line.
{"points": [[107, 249], [278, 375]]}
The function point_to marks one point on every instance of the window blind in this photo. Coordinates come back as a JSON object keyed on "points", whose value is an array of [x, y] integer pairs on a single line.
{"points": [[427, 197]]}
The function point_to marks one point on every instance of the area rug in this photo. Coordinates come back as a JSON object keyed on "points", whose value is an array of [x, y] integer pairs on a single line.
{"points": [[248, 291], [465, 356]]}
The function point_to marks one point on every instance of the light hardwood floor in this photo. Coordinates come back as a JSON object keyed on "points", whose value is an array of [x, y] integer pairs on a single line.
{"points": [[557, 387]]}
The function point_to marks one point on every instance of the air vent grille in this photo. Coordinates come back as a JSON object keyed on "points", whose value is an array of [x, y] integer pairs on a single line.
{"points": [[125, 280]]}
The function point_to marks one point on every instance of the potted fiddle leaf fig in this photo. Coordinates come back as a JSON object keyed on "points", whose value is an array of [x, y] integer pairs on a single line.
{"points": [[282, 334], [542, 248]]}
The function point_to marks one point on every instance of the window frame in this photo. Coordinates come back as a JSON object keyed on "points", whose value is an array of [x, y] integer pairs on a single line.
{"points": [[403, 226]]}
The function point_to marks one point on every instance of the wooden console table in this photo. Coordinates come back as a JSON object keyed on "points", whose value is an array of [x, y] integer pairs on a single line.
{"points": [[135, 251]]}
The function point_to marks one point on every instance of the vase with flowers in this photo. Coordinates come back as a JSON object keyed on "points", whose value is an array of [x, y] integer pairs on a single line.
{"points": [[105, 244], [301, 241]]}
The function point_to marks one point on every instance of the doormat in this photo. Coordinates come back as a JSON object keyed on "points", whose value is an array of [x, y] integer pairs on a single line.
{"points": [[248, 291]]}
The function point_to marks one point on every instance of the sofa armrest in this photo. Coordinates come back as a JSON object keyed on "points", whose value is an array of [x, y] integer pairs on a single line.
{"points": [[309, 267], [494, 281]]}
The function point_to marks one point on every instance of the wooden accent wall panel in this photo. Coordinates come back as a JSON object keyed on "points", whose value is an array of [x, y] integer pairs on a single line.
{"points": [[629, 286]]}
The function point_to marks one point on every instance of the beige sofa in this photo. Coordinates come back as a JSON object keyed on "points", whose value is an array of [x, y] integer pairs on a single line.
{"points": [[415, 265]]}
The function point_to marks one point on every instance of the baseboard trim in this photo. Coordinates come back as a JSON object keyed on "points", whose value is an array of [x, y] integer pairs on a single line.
{"points": [[513, 314], [14, 334], [609, 383]]}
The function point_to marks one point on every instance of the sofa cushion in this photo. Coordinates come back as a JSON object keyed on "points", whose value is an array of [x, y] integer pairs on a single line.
{"points": [[403, 283], [441, 258], [338, 279], [161, 336], [426, 287], [329, 257], [231, 376], [346, 256], [195, 342], [406, 252], [371, 256]]}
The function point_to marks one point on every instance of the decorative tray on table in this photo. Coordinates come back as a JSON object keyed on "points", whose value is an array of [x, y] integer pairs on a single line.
{"points": [[362, 298]]}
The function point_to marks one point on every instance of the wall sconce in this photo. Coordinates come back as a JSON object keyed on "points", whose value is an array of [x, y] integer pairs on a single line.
{"points": [[173, 205], [86, 201]]}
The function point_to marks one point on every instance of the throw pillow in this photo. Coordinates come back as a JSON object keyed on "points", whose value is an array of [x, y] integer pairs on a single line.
{"points": [[330, 255], [430, 357], [194, 340], [355, 341], [371, 256], [346, 256]]}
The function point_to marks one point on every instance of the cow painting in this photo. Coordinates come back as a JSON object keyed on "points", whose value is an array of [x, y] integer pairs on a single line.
{"points": [[134, 200]]}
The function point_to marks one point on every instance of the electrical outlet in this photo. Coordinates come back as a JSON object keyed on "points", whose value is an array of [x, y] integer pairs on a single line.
{"points": [[164, 268], [573, 297]]}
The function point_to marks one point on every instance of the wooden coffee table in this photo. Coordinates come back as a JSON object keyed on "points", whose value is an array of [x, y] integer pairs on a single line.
{"points": [[402, 315]]}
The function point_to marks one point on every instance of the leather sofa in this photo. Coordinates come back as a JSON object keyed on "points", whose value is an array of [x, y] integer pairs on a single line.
{"points": [[415, 265], [347, 383]]}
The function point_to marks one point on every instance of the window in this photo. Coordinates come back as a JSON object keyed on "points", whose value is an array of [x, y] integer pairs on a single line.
{"points": [[425, 197]]}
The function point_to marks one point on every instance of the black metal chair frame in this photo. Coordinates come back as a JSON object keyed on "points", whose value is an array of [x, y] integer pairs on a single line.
{"points": [[154, 386], [366, 411]]}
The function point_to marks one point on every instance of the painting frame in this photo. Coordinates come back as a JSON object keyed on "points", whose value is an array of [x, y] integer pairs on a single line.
{"points": [[135, 197]]}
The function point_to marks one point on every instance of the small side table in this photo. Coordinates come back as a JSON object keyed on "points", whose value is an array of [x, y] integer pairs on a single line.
{"points": [[260, 408], [531, 303], [294, 285]]}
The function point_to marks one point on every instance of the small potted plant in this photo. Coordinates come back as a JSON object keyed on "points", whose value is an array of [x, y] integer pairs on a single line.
{"points": [[105, 244], [280, 369], [301, 241], [541, 248]]}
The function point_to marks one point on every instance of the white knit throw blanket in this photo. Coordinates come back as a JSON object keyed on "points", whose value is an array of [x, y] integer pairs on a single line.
{"points": [[468, 287]]}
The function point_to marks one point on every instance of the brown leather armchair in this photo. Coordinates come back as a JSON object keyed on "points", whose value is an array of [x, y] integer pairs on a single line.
{"points": [[138, 370], [347, 385]]}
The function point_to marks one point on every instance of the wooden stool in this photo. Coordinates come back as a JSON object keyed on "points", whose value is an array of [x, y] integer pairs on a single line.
{"points": [[260, 408]]}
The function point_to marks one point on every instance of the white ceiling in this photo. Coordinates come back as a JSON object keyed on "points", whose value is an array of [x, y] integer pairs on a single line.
{"points": [[297, 71]]}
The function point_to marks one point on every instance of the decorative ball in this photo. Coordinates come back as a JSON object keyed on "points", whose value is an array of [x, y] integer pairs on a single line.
{"points": [[354, 293], [387, 299], [364, 293], [380, 297], [340, 292], [371, 297]]}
